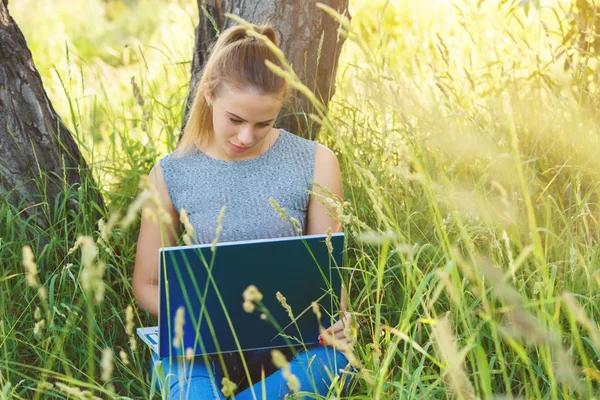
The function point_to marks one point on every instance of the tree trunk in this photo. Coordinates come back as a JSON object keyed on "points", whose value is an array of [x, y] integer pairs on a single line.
{"points": [[35, 146], [299, 26]]}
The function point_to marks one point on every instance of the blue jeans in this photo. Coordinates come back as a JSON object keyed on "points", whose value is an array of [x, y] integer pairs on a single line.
{"points": [[177, 379]]}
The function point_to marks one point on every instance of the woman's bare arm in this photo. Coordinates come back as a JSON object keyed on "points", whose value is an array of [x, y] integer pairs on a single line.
{"points": [[153, 235], [327, 175]]}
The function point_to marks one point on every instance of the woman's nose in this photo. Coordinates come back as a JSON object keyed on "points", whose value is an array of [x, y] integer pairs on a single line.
{"points": [[245, 136]]}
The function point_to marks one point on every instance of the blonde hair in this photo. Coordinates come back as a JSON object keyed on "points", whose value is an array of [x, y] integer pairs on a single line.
{"points": [[238, 60]]}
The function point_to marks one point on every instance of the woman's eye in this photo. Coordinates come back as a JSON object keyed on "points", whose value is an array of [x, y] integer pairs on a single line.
{"points": [[235, 121], [264, 125]]}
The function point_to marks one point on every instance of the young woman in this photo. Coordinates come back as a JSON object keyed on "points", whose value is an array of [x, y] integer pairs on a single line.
{"points": [[230, 154]]}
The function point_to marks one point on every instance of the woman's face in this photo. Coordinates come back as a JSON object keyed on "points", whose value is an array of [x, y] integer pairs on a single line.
{"points": [[242, 121]]}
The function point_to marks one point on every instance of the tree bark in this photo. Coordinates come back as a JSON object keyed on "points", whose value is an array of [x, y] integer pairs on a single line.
{"points": [[38, 157], [299, 26]]}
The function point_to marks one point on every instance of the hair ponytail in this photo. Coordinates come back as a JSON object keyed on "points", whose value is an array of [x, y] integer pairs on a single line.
{"points": [[227, 37]]}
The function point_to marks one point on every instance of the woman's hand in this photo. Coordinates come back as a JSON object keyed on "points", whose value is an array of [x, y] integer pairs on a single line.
{"points": [[340, 335]]}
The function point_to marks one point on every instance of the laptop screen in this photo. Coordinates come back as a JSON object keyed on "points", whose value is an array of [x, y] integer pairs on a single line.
{"points": [[201, 294]]}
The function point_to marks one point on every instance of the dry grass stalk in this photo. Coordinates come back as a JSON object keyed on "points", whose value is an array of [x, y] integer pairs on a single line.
{"points": [[456, 376]]}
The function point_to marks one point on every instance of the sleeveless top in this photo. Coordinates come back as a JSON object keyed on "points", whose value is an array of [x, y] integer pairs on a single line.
{"points": [[202, 185]]}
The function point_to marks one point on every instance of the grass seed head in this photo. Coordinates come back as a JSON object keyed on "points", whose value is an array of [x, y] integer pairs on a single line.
{"points": [[296, 225], [248, 306], [107, 364], [281, 363], [328, 241], [221, 215], [189, 229], [75, 391], [154, 210], [219, 227], [31, 269], [280, 210], [124, 357], [137, 93], [37, 328], [581, 316], [279, 359], [316, 310], [252, 294], [106, 229], [91, 280], [293, 382], [283, 301], [129, 320], [189, 354], [524, 325], [227, 387], [457, 379], [45, 386], [58, 312], [129, 327], [179, 322]]}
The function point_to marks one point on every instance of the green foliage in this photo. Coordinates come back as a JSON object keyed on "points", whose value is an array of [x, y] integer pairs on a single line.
{"points": [[469, 155]]}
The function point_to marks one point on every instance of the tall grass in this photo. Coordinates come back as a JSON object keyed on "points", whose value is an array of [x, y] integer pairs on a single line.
{"points": [[469, 154], [472, 153]]}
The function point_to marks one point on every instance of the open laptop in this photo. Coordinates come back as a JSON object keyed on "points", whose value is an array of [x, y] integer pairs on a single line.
{"points": [[208, 282]]}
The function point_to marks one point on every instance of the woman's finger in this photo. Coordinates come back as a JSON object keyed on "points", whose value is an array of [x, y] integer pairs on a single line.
{"points": [[338, 326], [339, 334], [338, 344], [341, 343]]}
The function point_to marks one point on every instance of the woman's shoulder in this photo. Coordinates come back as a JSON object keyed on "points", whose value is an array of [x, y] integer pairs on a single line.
{"points": [[176, 159], [176, 168], [296, 139], [325, 157], [177, 154], [171, 173], [296, 146], [320, 151]]}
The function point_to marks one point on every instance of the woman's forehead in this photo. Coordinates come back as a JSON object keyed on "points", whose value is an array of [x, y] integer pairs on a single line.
{"points": [[250, 102], [227, 89]]}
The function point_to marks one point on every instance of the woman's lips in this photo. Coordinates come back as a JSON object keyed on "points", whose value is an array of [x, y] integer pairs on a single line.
{"points": [[238, 148]]}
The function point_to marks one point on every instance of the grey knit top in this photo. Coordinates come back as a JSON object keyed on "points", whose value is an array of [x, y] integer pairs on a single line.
{"points": [[202, 185]]}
